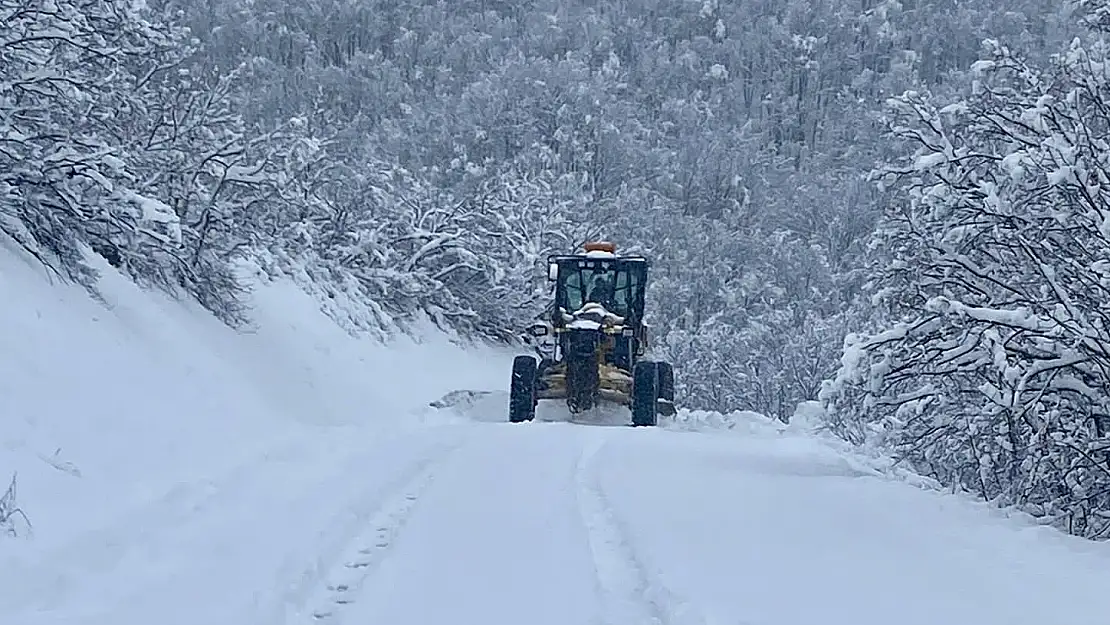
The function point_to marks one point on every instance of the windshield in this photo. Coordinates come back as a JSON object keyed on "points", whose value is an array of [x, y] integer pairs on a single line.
{"points": [[615, 289]]}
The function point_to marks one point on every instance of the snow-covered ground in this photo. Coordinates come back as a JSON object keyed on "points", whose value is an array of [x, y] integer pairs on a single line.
{"points": [[179, 473]]}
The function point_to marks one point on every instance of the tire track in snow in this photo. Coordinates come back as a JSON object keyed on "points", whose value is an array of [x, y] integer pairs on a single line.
{"points": [[630, 594], [335, 579]]}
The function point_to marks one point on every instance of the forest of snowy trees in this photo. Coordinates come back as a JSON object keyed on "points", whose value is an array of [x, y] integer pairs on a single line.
{"points": [[928, 178]]}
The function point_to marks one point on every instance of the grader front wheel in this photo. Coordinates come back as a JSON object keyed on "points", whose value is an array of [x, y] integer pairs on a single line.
{"points": [[645, 393], [522, 390]]}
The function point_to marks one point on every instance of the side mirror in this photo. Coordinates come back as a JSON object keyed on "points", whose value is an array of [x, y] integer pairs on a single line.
{"points": [[552, 272]]}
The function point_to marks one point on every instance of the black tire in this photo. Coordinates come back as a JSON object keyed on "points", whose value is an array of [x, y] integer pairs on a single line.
{"points": [[666, 381], [645, 392], [522, 390], [582, 373], [582, 385]]}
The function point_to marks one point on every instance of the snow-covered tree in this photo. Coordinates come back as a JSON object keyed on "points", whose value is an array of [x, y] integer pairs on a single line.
{"points": [[117, 141], [65, 182], [995, 375]]}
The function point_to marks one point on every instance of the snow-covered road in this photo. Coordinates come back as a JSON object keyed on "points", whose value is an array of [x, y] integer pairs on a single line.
{"points": [[470, 522], [560, 523], [179, 473]]}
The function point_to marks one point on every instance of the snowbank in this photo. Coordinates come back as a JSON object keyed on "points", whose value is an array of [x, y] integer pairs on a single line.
{"points": [[805, 433], [105, 405], [805, 438]]}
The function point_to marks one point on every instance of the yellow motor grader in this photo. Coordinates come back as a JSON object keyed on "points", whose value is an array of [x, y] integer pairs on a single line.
{"points": [[591, 344]]}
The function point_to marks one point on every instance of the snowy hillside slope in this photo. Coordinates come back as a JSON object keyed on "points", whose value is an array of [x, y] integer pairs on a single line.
{"points": [[178, 473], [108, 407]]}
